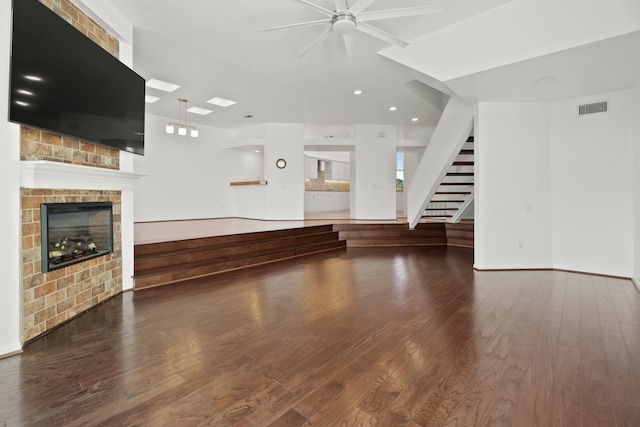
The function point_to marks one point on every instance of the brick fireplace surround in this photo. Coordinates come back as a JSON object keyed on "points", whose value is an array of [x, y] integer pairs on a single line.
{"points": [[50, 299]]}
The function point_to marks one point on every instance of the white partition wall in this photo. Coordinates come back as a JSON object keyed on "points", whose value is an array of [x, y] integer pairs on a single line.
{"points": [[591, 172], [554, 189], [374, 174], [10, 209], [636, 184], [512, 201], [285, 191]]}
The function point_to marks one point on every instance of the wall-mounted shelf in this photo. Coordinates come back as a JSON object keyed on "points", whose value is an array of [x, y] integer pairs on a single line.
{"points": [[237, 183]]}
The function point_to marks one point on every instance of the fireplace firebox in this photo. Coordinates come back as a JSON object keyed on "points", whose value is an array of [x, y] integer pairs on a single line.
{"points": [[75, 232]]}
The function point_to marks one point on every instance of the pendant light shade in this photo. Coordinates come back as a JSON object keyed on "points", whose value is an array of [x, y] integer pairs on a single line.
{"points": [[182, 124]]}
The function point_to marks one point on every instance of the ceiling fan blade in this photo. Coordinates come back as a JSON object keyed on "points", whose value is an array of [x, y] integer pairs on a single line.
{"points": [[299, 24], [320, 9], [341, 5], [349, 45], [382, 35], [316, 42], [399, 13], [360, 6]]}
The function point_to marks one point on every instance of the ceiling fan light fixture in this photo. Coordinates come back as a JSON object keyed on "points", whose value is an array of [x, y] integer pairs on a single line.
{"points": [[344, 23]]}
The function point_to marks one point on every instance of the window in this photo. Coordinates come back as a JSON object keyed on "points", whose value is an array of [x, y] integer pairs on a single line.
{"points": [[399, 171]]}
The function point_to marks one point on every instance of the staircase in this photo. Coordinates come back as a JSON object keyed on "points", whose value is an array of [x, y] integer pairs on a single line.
{"points": [[456, 190], [169, 262]]}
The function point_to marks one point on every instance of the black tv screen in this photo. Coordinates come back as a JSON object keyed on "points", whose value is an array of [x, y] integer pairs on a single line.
{"points": [[62, 82]]}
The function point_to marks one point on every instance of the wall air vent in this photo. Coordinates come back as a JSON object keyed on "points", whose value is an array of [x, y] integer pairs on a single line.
{"points": [[593, 108]]}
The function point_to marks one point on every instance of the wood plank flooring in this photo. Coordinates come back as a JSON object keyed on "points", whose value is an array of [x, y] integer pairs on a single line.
{"points": [[369, 336]]}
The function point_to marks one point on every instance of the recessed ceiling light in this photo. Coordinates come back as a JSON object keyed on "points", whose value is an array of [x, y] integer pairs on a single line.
{"points": [[161, 85], [150, 99], [198, 110], [545, 81], [393, 108], [415, 119], [221, 102], [357, 92], [257, 151]]}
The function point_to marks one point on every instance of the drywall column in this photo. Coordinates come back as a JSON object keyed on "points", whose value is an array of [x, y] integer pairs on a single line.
{"points": [[374, 174], [10, 295], [512, 191], [285, 191]]}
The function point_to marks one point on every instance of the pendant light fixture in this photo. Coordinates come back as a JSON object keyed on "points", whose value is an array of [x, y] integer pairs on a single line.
{"points": [[182, 125]]}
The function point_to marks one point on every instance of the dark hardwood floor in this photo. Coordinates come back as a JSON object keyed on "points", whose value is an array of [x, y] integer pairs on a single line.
{"points": [[365, 336]]}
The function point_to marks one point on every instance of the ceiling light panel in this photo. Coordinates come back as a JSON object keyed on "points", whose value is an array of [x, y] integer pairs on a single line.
{"points": [[221, 102], [150, 99], [161, 85], [198, 110]]}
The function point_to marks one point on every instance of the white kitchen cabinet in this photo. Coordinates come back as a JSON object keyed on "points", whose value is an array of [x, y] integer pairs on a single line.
{"points": [[310, 168], [326, 201]]}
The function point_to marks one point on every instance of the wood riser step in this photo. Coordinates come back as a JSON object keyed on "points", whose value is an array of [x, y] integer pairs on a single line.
{"points": [[172, 261], [189, 273], [381, 235], [395, 242], [168, 262], [204, 243], [460, 234]]}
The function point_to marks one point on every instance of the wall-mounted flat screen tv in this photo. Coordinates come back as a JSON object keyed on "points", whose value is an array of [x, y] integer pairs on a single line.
{"points": [[64, 83]]}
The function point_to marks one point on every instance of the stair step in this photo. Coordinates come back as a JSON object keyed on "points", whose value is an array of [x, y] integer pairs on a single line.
{"points": [[441, 209], [359, 243], [447, 201], [456, 183], [370, 235], [453, 192], [437, 216], [466, 151], [169, 262], [460, 174], [463, 163]]}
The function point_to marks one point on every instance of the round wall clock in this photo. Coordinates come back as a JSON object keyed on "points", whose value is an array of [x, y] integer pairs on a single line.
{"points": [[281, 163]]}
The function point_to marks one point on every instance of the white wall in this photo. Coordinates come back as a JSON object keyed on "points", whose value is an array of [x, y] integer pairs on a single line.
{"points": [[560, 185], [285, 192], [10, 301], [512, 200], [591, 174], [374, 174], [636, 183], [188, 178]]}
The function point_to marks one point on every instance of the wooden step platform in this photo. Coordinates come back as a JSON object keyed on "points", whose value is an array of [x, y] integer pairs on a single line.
{"points": [[460, 234], [169, 262], [371, 235]]}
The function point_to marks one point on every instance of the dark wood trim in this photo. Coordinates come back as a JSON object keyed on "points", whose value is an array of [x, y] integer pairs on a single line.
{"points": [[238, 183]]}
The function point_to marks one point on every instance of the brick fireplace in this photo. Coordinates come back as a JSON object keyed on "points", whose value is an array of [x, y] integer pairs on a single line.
{"points": [[57, 169]]}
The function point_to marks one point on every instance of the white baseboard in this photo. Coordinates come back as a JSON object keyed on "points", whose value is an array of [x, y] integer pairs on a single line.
{"points": [[10, 350]]}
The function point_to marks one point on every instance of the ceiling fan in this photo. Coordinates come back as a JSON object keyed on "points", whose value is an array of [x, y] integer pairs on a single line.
{"points": [[347, 19]]}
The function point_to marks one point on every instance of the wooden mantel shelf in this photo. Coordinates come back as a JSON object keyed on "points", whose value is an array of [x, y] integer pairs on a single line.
{"points": [[236, 183]]}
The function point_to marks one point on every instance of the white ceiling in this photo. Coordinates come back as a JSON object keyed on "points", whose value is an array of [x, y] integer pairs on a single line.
{"points": [[211, 48]]}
